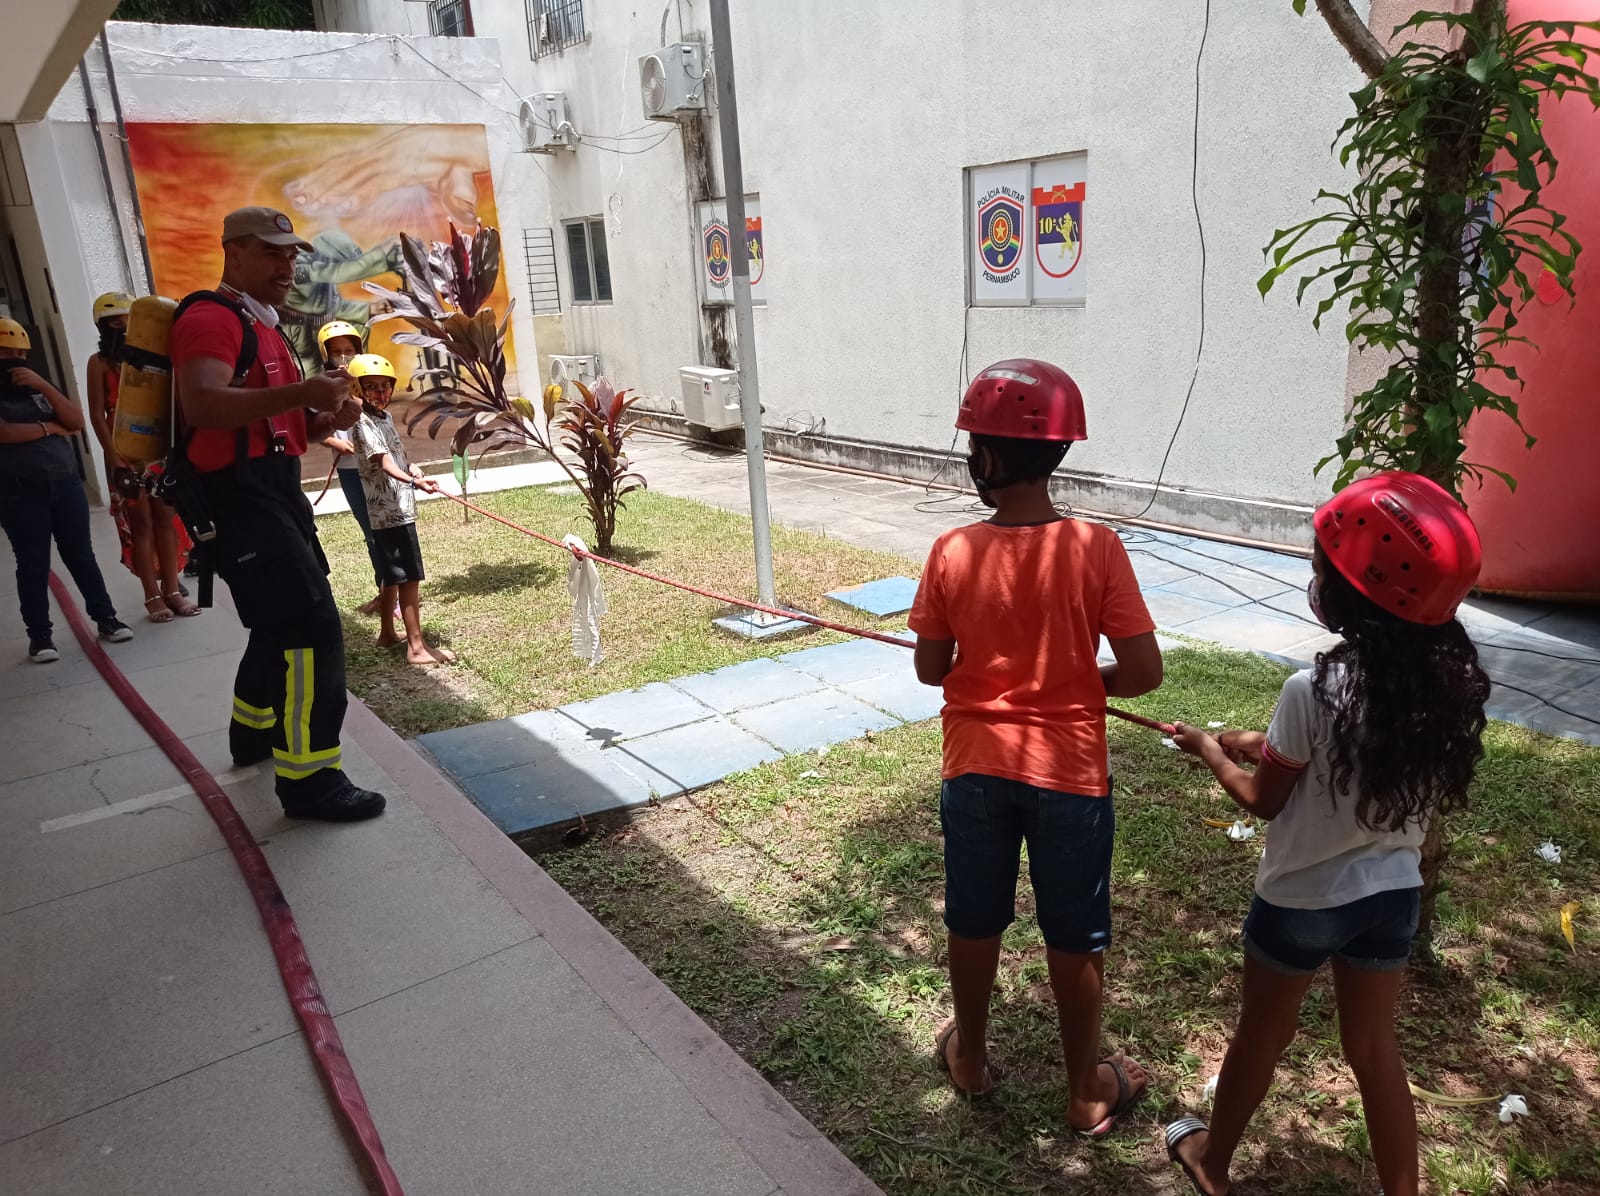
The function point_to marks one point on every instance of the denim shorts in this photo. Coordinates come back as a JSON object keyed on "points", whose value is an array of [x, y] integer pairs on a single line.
{"points": [[985, 821], [1373, 934]]}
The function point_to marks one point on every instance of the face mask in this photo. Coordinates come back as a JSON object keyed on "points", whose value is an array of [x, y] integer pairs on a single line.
{"points": [[112, 339], [1314, 601]]}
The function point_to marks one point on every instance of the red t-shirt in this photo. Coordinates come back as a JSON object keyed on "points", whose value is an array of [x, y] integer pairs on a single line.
{"points": [[211, 330], [1026, 607]]}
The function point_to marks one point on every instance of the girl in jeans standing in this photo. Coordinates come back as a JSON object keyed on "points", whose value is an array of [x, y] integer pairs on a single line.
{"points": [[41, 496], [1381, 737]]}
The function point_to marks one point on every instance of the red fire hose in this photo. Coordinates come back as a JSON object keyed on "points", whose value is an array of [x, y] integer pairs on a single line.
{"points": [[294, 967]]}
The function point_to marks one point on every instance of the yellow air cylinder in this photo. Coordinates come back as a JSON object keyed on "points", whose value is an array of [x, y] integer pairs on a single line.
{"points": [[143, 431]]}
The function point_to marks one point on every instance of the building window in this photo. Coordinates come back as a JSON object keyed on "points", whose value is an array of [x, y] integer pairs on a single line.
{"points": [[539, 255], [591, 268], [450, 18], [553, 25], [1025, 239]]}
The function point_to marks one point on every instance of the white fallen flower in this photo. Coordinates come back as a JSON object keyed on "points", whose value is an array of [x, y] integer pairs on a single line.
{"points": [[1512, 1107], [1209, 1092], [809, 773], [1548, 852], [1240, 831], [1168, 741], [1213, 724]]}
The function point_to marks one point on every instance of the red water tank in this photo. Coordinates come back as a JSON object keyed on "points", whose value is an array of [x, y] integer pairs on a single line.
{"points": [[1543, 540]]}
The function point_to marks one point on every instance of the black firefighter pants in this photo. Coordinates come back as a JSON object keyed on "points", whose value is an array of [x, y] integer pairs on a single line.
{"points": [[289, 695]]}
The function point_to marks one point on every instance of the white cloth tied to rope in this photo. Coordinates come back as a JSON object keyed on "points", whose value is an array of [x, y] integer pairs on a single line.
{"points": [[588, 602]]}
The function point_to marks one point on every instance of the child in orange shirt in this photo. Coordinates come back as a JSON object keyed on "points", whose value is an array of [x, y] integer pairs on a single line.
{"points": [[1008, 618]]}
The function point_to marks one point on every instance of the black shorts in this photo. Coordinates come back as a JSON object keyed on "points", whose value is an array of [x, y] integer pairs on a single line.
{"points": [[397, 554]]}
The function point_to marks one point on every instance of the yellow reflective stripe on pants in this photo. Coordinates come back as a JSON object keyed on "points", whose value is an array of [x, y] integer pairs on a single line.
{"points": [[298, 768], [299, 692], [254, 716]]}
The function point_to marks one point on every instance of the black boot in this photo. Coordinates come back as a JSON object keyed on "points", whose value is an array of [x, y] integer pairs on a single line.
{"points": [[339, 803]]}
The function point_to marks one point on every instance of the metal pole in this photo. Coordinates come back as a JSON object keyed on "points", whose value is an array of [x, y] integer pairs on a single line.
{"points": [[744, 323], [127, 163]]}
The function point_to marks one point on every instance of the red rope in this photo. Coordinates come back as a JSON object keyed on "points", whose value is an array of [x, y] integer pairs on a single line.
{"points": [[862, 632], [294, 967]]}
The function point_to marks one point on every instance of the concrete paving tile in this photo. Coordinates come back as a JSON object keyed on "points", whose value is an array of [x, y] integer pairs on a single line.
{"points": [[120, 986], [256, 1122], [1175, 610], [1206, 589], [1576, 626], [560, 786], [1500, 614], [806, 723], [854, 660], [1256, 585], [388, 904], [1153, 571], [1570, 722], [888, 596], [556, 1100], [750, 683], [1238, 553], [695, 756], [1542, 673], [901, 695], [482, 748], [58, 728], [1250, 628], [1293, 571], [636, 712], [1293, 605]]}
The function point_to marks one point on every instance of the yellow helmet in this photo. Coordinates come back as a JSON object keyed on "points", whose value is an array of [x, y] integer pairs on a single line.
{"points": [[14, 336], [333, 329], [370, 365], [112, 303]]}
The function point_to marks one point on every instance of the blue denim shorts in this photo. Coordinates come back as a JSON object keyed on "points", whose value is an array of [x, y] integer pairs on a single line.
{"points": [[1373, 934], [985, 821]]}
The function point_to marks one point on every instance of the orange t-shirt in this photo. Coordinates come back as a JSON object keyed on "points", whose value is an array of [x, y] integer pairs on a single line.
{"points": [[1026, 607]]}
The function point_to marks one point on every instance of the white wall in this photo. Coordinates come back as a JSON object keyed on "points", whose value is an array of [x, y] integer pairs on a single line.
{"points": [[187, 73], [857, 124]]}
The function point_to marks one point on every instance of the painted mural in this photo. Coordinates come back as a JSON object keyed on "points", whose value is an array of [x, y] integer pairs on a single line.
{"points": [[351, 191]]}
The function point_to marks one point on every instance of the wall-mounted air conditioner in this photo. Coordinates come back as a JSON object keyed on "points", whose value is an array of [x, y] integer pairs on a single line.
{"points": [[546, 123], [672, 81], [574, 367]]}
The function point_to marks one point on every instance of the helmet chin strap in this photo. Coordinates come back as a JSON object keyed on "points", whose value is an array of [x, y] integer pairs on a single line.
{"points": [[985, 483]]}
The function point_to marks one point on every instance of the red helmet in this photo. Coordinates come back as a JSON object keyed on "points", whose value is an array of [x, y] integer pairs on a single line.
{"points": [[1026, 400], [1404, 542]]}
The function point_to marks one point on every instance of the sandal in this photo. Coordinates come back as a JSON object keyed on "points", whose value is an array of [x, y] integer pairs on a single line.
{"points": [[157, 610], [1127, 1097], [941, 1047], [180, 605], [1185, 1127]]}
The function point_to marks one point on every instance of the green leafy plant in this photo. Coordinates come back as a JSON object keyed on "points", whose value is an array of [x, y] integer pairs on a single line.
{"points": [[1444, 234], [241, 14], [445, 301], [1441, 240]]}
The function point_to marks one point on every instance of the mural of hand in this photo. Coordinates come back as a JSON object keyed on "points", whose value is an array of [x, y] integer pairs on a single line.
{"points": [[424, 156]]}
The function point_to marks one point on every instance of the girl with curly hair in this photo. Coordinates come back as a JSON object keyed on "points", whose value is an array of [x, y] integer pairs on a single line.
{"points": [[1382, 736]]}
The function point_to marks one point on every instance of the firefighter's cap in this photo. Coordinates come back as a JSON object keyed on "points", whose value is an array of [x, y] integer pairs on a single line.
{"points": [[264, 224]]}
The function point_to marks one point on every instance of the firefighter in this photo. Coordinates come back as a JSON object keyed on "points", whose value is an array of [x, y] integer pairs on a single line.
{"points": [[247, 415]]}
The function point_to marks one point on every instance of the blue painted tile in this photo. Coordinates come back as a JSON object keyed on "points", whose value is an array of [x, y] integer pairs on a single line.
{"points": [[635, 712], [695, 756], [811, 721], [1579, 628], [854, 660], [1174, 610], [901, 695], [1533, 671], [1206, 589], [752, 683], [1252, 628], [488, 747], [561, 786], [1291, 570], [1245, 578], [891, 596], [1153, 571], [1293, 605]]}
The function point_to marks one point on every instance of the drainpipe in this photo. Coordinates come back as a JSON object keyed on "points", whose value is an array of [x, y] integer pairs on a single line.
{"points": [[127, 161], [105, 174]]}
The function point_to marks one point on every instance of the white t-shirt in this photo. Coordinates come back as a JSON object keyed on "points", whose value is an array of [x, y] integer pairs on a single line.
{"points": [[1318, 855], [390, 502]]}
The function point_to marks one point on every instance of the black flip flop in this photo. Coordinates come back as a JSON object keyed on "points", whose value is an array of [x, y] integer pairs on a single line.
{"points": [[1184, 1127], [941, 1043], [1127, 1097]]}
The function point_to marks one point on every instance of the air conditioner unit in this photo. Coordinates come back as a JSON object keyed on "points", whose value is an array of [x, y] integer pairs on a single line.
{"points": [[546, 123], [672, 81], [574, 367], [710, 396]]}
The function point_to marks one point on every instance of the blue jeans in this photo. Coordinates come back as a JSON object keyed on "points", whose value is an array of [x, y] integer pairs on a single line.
{"points": [[350, 483], [34, 511], [1069, 837], [1373, 934]]}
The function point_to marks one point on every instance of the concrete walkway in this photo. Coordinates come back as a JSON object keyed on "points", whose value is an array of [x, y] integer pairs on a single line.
{"points": [[504, 1041]]}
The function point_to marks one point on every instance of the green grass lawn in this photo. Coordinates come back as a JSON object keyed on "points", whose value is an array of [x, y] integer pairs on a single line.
{"points": [[796, 908], [499, 600]]}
